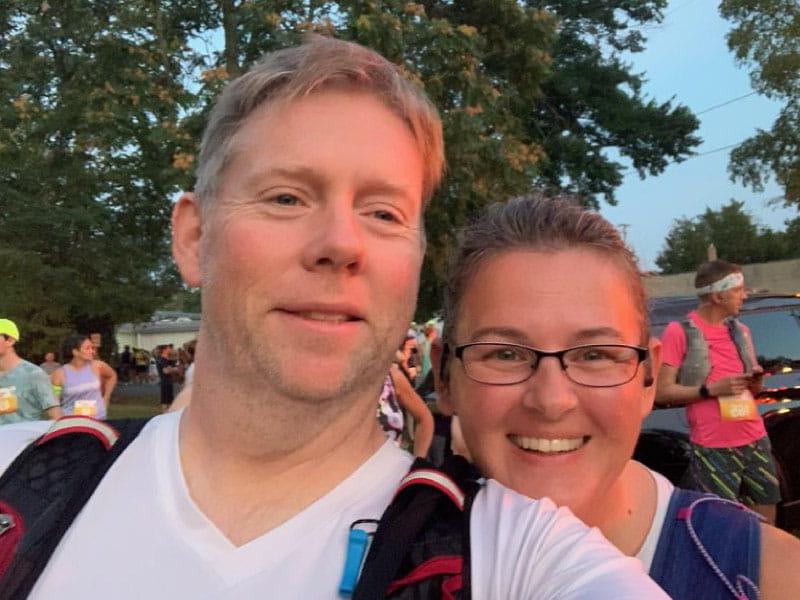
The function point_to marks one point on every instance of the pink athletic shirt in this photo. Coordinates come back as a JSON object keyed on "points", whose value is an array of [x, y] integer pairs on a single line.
{"points": [[706, 428]]}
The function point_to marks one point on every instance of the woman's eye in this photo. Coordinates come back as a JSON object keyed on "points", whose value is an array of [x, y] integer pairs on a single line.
{"points": [[506, 354], [593, 355]]}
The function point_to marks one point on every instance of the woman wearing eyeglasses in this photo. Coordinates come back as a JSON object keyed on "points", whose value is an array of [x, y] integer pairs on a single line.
{"points": [[548, 365]]}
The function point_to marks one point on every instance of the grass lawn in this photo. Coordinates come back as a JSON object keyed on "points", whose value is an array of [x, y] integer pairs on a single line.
{"points": [[134, 405]]}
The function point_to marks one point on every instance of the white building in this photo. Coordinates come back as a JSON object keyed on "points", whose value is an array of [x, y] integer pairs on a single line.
{"points": [[164, 328]]}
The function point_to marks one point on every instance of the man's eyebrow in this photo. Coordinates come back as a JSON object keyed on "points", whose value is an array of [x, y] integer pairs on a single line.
{"points": [[382, 187]]}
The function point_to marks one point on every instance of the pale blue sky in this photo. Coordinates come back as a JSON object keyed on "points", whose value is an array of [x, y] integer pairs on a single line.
{"points": [[687, 57]]}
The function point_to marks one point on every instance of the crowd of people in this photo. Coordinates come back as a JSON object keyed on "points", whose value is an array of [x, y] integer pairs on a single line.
{"points": [[276, 477]]}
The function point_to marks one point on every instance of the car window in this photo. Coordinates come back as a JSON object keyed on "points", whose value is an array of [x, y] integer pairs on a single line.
{"points": [[776, 337]]}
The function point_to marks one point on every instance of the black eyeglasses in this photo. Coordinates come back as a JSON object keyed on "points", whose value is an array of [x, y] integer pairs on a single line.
{"points": [[590, 365]]}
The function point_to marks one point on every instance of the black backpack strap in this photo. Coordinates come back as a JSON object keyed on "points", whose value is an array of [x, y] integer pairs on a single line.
{"points": [[423, 534], [46, 487]]}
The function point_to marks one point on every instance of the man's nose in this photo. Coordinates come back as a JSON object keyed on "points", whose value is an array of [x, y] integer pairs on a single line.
{"points": [[337, 242], [549, 391]]}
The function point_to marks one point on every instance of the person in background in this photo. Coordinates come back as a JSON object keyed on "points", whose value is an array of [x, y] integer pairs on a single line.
{"points": [[125, 364], [400, 408], [187, 359], [407, 358], [25, 392], [549, 366], [710, 367], [50, 364], [165, 364], [425, 377], [86, 383], [140, 362]]}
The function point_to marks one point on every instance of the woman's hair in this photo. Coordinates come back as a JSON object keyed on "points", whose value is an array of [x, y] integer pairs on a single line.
{"points": [[73, 342], [540, 224]]}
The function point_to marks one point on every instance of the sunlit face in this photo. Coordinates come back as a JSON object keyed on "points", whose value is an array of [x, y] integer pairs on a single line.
{"points": [[85, 351], [548, 436], [311, 252]]}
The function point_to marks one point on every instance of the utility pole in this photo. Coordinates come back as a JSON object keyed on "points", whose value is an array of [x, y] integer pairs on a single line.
{"points": [[623, 228]]}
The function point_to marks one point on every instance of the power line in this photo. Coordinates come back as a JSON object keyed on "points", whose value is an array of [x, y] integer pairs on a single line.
{"points": [[720, 149], [731, 101]]}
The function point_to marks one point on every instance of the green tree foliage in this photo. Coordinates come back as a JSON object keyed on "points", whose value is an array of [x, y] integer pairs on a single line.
{"points": [[766, 38], [102, 105], [92, 152], [737, 237], [592, 101]]}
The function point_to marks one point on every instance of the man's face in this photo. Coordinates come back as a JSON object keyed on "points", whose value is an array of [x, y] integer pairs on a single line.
{"points": [[549, 436], [731, 300], [49, 357], [310, 254], [6, 344]]}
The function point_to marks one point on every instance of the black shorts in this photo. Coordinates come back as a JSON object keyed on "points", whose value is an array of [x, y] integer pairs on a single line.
{"points": [[167, 393], [745, 473]]}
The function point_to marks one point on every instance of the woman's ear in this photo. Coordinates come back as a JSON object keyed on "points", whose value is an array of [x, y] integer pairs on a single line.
{"points": [[651, 366], [439, 357]]}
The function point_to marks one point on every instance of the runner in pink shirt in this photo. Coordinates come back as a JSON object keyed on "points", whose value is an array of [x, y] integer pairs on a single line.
{"points": [[710, 367]]}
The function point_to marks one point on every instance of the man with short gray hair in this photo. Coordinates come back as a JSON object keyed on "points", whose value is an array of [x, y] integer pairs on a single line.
{"points": [[306, 238], [709, 366]]}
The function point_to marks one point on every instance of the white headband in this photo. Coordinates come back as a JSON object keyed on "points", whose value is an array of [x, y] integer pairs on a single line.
{"points": [[726, 283]]}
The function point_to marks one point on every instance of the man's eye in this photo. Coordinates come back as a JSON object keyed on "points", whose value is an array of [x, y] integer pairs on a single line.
{"points": [[385, 215], [285, 200]]}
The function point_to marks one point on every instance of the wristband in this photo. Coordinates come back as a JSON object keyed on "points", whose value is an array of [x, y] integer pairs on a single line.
{"points": [[704, 393]]}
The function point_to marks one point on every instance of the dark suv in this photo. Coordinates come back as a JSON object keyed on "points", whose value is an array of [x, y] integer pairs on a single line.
{"points": [[774, 321]]}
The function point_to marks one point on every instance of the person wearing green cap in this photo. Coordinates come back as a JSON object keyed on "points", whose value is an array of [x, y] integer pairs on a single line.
{"points": [[25, 393]]}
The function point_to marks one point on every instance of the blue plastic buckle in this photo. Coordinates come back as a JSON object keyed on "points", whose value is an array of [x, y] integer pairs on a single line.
{"points": [[357, 545]]}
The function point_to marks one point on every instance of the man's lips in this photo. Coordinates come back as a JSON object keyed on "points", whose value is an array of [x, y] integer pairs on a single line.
{"points": [[330, 313], [548, 445]]}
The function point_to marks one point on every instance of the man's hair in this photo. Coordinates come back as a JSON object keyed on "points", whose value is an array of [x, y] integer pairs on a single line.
{"points": [[540, 224], [714, 270], [319, 64], [73, 342]]}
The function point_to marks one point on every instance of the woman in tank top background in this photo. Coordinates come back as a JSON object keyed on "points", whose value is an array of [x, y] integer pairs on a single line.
{"points": [[86, 383], [549, 367]]}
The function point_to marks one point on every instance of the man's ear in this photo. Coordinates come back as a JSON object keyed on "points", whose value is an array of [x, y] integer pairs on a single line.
{"points": [[651, 367], [186, 233]]}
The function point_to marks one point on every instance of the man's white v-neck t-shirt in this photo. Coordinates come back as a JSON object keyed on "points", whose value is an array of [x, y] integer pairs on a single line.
{"points": [[142, 536]]}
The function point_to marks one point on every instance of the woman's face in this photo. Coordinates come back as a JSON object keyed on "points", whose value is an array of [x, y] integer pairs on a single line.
{"points": [[409, 345], [549, 436], [85, 350]]}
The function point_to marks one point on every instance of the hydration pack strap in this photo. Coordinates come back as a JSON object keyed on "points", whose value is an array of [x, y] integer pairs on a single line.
{"points": [[47, 486]]}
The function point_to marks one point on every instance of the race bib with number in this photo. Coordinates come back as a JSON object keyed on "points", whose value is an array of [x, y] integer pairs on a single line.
{"points": [[738, 408], [8, 400], [85, 408]]}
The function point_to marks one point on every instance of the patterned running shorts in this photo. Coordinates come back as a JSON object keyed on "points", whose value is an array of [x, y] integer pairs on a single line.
{"points": [[745, 473]]}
